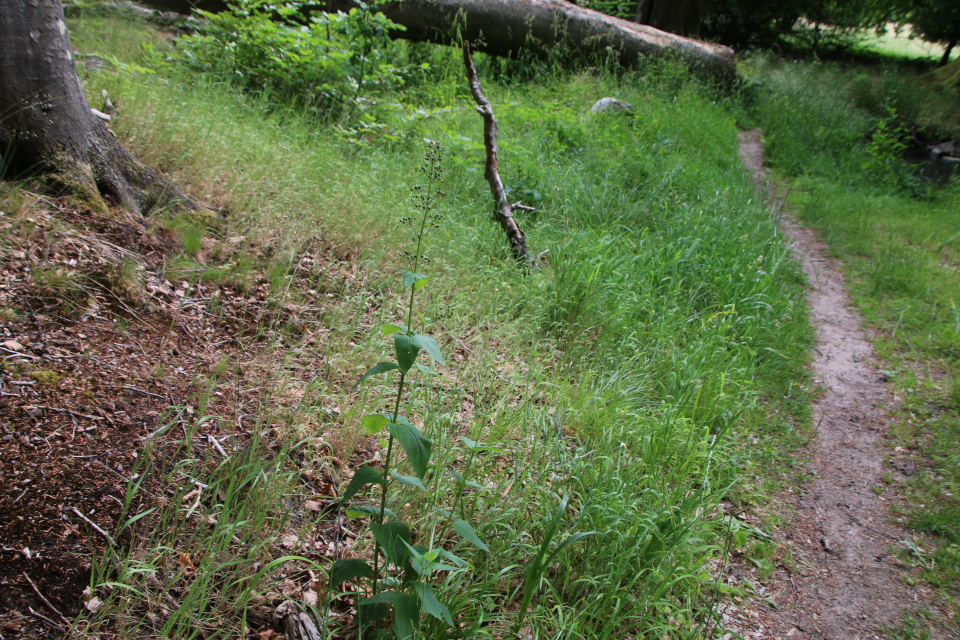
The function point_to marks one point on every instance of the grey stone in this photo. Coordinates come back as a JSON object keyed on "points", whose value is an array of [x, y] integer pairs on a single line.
{"points": [[611, 104]]}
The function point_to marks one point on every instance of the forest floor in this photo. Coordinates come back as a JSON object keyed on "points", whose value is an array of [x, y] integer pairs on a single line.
{"points": [[81, 394], [842, 573], [96, 366]]}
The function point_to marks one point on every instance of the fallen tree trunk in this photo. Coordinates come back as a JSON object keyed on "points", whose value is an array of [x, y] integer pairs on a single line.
{"points": [[506, 27]]}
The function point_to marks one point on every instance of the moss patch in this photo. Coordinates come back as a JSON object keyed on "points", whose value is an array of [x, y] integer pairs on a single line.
{"points": [[46, 377]]}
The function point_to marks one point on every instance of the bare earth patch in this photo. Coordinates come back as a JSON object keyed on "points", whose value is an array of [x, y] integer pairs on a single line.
{"points": [[846, 579]]}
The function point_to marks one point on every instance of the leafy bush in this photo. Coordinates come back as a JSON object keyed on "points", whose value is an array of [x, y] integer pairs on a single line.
{"points": [[883, 158], [312, 59]]}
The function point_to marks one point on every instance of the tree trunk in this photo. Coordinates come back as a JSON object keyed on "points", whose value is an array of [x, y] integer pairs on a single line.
{"points": [[947, 50], [46, 125], [506, 27], [644, 8], [682, 17]]}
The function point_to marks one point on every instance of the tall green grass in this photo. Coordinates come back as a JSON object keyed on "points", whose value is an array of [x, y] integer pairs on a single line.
{"points": [[651, 361]]}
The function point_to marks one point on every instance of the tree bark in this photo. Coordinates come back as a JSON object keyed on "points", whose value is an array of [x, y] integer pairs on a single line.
{"points": [[644, 7], [297, 625], [507, 27], [683, 17], [46, 125], [947, 50]]}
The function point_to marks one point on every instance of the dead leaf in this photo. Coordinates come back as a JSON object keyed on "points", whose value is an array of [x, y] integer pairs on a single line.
{"points": [[312, 505], [289, 588], [310, 597], [93, 604], [184, 561], [13, 345]]}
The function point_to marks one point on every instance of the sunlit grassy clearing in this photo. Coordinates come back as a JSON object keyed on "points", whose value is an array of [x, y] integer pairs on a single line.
{"points": [[892, 42]]}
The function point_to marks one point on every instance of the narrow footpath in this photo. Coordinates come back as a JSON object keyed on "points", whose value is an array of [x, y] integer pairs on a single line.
{"points": [[845, 580]]}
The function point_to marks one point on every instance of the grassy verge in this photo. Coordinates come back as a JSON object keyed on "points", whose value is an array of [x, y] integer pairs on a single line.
{"points": [[653, 361], [897, 236]]}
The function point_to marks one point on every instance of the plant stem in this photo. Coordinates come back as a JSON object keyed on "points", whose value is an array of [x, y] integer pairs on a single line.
{"points": [[386, 482]]}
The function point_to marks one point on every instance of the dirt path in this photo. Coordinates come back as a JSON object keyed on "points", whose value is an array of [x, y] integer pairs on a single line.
{"points": [[845, 582]]}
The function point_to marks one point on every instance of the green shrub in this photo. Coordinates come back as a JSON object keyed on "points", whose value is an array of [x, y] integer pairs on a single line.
{"points": [[314, 59]]}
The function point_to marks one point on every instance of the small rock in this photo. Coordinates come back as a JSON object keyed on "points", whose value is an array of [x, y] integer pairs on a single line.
{"points": [[826, 545], [906, 469], [947, 148], [610, 104]]}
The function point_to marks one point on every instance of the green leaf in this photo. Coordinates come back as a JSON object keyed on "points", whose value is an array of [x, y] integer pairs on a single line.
{"points": [[467, 533], [389, 328], [344, 570], [384, 597], [374, 423], [425, 369], [406, 611], [473, 445], [410, 481], [417, 559], [380, 367], [457, 560], [567, 542], [138, 516], [407, 351], [415, 280], [373, 612], [416, 446], [367, 510], [362, 477], [429, 345], [392, 536], [430, 604]]}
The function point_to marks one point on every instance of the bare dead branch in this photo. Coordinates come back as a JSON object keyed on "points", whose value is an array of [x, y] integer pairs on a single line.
{"points": [[504, 215], [94, 525], [216, 445], [46, 602]]}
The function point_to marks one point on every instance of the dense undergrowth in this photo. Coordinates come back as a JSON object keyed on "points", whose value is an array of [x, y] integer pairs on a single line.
{"points": [[646, 369], [841, 140]]}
